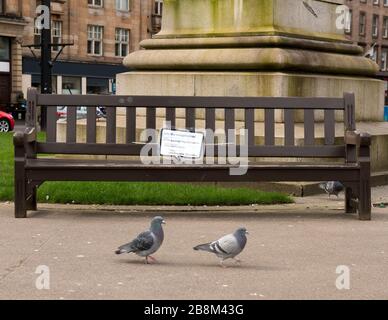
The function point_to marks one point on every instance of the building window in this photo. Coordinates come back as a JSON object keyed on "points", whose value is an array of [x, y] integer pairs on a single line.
{"points": [[375, 26], [122, 5], [385, 27], [97, 86], [56, 34], [71, 85], [362, 23], [2, 7], [37, 34], [158, 10], [122, 42], [374, 53], [95, 37], [349, 22], [5, 49], [384, 56], [96, 3]]}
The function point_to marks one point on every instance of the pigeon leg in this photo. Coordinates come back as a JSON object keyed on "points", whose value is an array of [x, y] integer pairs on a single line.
{"points": [[222, 264], [146, 260], [152, 258]]}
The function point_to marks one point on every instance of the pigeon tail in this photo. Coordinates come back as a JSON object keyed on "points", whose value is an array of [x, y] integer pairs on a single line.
{"points": [[121, 251], [204, 247]]}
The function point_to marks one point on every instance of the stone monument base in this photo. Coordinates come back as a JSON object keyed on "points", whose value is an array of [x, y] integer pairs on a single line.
{"points": [[369, 92]]}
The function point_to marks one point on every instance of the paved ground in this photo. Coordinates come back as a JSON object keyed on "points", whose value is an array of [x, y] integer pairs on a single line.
{"points": [[292, 253]]}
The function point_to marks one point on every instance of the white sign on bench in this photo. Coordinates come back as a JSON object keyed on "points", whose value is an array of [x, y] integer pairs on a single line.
{"points": [[182, 144]]}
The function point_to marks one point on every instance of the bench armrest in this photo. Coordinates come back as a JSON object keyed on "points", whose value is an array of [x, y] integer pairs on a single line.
{"points": [[353, 138], [24, 142], [365, 139], [357, 146]]}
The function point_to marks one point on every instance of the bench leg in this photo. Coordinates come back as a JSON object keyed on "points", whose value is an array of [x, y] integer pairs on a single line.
{"points": [[32, 201], [365, 201], [349, 207], [20, 192]]}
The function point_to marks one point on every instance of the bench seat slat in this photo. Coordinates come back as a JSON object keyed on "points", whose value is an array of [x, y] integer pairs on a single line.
{"points": [[113, 171], [48, 163]]}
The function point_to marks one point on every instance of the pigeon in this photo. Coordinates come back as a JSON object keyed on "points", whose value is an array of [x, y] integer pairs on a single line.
{"points": [[228, 247], [146, 243], [332, 187]]}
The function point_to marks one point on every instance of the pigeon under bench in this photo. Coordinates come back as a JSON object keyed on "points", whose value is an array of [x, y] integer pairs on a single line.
{"points": [[347, 161]]}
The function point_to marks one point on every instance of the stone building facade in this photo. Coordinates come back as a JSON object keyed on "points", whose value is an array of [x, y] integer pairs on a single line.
{"points": [[103, 32], [369, 29], [12, 24]]}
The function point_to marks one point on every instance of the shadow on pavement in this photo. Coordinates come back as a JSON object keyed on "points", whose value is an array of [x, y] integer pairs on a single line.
{"points": [[215, 265]]}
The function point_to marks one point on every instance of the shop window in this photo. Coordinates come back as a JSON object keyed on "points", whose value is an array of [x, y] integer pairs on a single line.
{"points": [[4, 49], [71, 85], [97, 86]]}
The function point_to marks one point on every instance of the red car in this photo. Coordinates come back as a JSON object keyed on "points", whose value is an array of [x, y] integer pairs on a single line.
{"points": [[7, 122]]}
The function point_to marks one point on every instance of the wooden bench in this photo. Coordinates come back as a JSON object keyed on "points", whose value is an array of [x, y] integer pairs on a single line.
{"points": [[354, 152]]}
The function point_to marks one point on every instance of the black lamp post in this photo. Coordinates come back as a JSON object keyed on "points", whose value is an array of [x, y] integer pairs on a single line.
{"points": [[46, 63]]}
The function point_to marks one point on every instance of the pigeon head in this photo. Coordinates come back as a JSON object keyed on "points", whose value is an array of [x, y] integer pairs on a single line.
{"points": [[242, 231], [157, 221], [322, 186]]}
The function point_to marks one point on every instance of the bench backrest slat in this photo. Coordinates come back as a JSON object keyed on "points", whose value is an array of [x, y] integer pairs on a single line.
{"points": [[130, 125], [71, 130], [190, 118], [230, 105], [210, 121], [111, 125], [250, 125], [230, 119], [91, 130], [329, 127], [171, 117], [51, 125], [289, 127], [309, 128], [269, 117]]}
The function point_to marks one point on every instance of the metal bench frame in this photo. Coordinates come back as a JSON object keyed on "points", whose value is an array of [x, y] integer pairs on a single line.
{"points": [[31, 171]]}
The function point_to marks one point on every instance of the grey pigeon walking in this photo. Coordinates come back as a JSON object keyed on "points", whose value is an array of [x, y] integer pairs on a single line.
{"points": [[332, 187], [228, 247], [146, 243]]}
